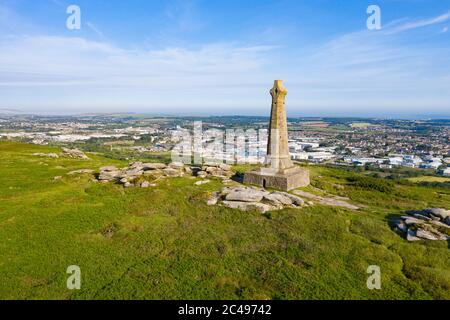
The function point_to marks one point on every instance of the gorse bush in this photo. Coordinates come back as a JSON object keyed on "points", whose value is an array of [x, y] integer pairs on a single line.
{"points": [[435, 184], [370, 183]]}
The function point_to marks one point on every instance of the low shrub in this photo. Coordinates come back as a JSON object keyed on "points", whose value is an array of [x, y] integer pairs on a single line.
{"points": [[370, 183]]}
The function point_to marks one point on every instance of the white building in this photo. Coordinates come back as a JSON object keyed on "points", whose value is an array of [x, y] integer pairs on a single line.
{"points": [[412, 161], [313, 156], [299, 155], [396, 161], [446, 172], [431, 165]]}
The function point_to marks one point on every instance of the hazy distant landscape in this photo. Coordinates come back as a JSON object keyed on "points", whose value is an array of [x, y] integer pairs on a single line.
{"points": [[376, 144]]}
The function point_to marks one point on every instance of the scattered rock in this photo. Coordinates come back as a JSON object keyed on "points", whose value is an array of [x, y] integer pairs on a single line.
{"points": [[153, 166], [329, 201], [176, 165], [439, 224], [154, 173], [136, 165], [109, 169], [422, 217], [132, 172], [246, 206], [246, 195], [128, 175], [411, 235], [202, 174], [74, 153], [199, 183], [57, 178], [402, 226], [277, 198], [160, 171], [423, 234], [427, 224], [187, 170], [171, 172], [439, 212], [253, 198], [433, 213], [295, 200], [219, 170], [109, 175], [225, 167], [447, 220], [145, 184], [213, 199], [212, 202], [411, 221], [48, 155], [81, 171]]}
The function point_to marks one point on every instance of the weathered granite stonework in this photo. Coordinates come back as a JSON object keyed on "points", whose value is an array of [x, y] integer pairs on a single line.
{"points": [[279, 171], [278, 181]]}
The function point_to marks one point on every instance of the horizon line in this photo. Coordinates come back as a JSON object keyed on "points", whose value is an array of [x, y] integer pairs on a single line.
{"points": [[11, 112]]}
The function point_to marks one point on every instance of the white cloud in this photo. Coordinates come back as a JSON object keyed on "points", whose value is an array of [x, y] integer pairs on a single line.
{"points": [[95, 29], [420, 23], [47, 72], [369, 71], [357, 73], [44, 60]]}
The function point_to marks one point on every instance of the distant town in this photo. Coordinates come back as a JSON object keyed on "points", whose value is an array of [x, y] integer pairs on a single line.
{"points": [[352, 142]]}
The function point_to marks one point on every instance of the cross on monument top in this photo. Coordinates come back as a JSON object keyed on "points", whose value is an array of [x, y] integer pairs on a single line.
{"points": [[278, 89]]}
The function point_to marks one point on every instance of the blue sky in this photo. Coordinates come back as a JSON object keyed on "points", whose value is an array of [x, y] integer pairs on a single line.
{"points": [[221, 57]]}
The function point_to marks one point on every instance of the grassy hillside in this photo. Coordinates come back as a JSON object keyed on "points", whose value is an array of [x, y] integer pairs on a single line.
{"points": [[165, 243]]}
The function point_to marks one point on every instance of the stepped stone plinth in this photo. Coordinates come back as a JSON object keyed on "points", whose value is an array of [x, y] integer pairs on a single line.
{"points": [[279, 171]]}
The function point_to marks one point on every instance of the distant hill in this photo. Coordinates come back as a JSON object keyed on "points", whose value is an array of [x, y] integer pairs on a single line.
{"points": [[9, 111]]}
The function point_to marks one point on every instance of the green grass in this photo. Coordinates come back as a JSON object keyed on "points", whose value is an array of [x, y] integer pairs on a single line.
{"points": [[165, 243], [429, 179]]}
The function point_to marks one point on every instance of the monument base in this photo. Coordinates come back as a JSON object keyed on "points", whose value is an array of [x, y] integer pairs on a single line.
{"points": [[291, 179]]}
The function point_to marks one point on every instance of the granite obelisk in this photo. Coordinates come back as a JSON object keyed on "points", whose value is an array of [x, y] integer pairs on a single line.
{"points": [[279, 171]]}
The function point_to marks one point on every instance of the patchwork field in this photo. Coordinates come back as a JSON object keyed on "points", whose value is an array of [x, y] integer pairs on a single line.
{"points": [[429, 179], [166, 243], [361, 125]]}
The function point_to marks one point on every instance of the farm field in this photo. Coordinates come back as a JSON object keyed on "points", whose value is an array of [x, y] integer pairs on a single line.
{"points": [[429, 179]]}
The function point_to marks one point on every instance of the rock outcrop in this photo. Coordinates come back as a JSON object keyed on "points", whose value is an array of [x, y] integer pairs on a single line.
{"points": [[333, 201], [74, 154], [69, 153], [253, 198], [47, 155], [218, 170], [427, 224], [202, 182], [137, 173]]}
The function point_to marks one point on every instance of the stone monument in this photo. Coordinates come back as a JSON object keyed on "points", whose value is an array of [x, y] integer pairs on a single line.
{"points": [[279, 171]]}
